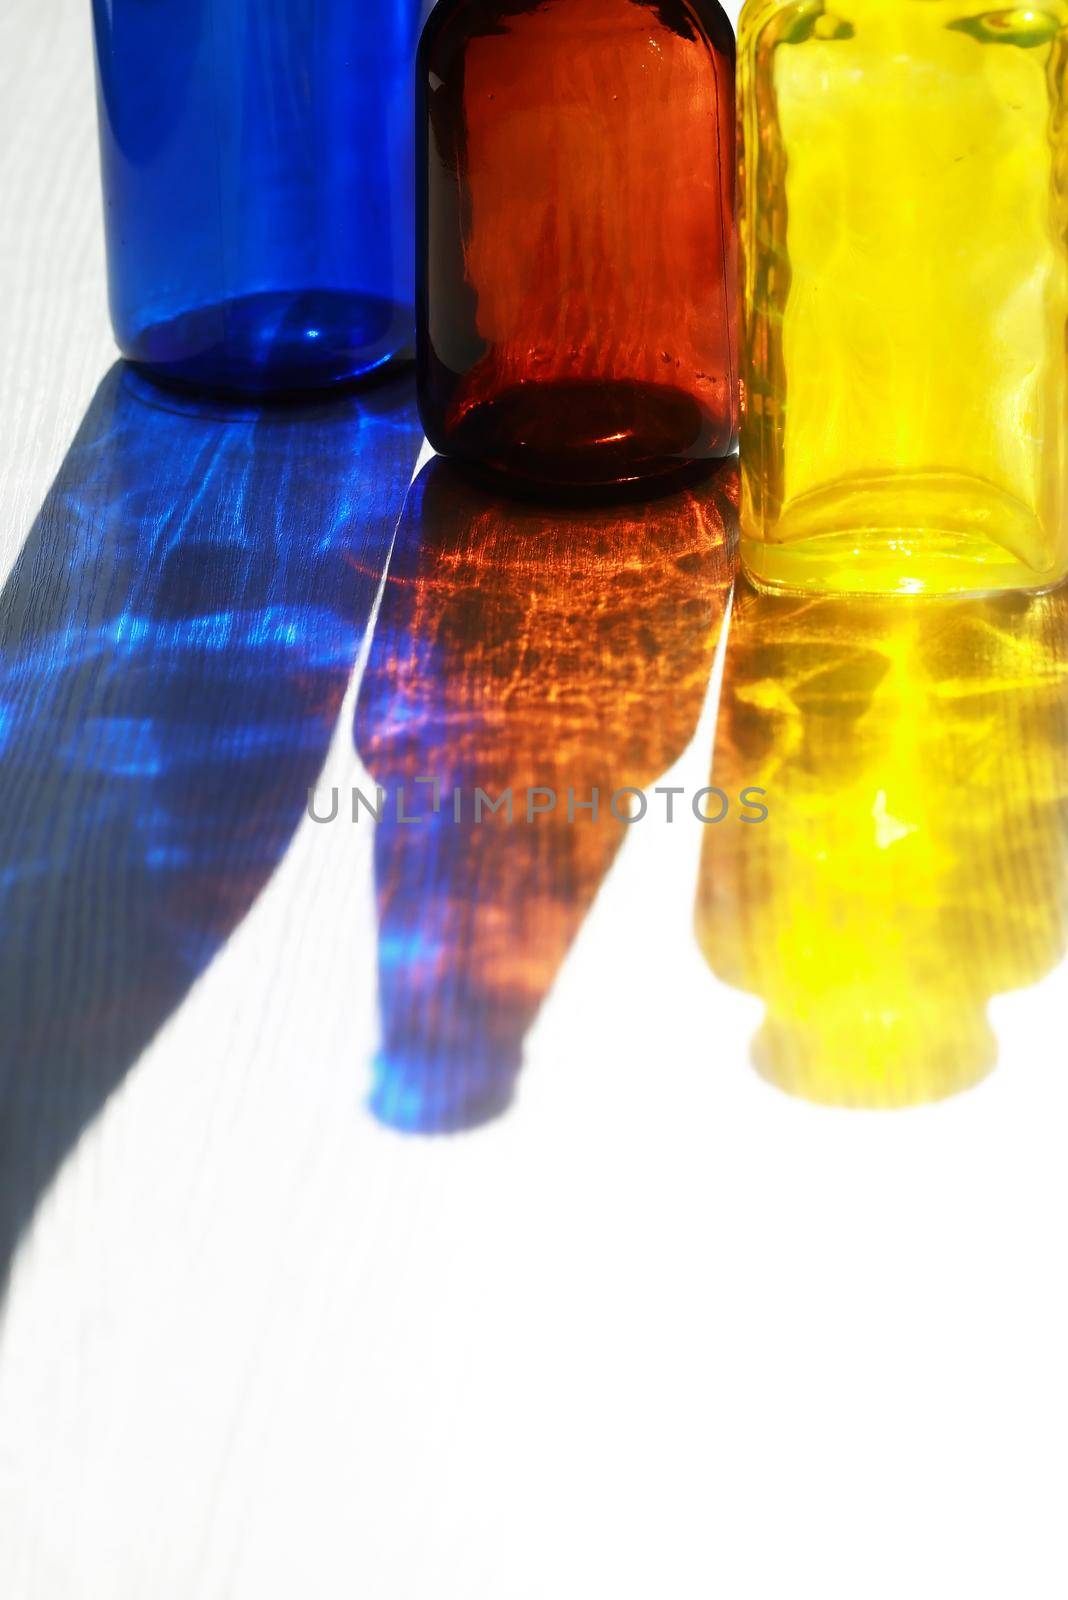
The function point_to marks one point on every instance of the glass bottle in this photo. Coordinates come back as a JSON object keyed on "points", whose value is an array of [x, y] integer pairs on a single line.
{"points": [[904, 215], [576, 236], [258, 185]]}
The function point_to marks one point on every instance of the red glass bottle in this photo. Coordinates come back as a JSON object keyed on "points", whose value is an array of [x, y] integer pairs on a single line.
{"points": [[577, 236]]}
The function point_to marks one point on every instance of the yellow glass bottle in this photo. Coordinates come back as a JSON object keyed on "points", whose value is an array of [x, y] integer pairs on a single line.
{"points": [[904, 232]]}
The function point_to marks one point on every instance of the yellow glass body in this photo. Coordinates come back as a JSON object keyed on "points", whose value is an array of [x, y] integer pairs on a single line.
{"points": [[904, 228]]}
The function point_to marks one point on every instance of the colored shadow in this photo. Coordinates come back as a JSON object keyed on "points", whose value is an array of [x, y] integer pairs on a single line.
{"points": [[175, 643], [913, 865], [519, 646]]}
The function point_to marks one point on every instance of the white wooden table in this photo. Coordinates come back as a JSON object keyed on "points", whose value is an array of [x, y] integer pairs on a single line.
{"points": [[659, 1329]]}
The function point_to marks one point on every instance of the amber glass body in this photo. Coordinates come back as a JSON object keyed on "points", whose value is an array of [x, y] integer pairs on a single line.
{"points": [[576, 297]]}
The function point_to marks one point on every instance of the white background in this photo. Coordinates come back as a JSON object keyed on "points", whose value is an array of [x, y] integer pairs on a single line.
{"points": [[660, 1332]]}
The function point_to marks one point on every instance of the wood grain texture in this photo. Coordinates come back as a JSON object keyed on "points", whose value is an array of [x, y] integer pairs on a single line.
{"points": [[659, 1330], [54, 330]]}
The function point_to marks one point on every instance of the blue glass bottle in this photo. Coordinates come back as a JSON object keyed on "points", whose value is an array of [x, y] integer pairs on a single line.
{"points": [[257, 166]]}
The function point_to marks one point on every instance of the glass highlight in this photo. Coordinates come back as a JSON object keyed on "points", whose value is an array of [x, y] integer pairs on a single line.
{"points": [[576, 301], [258, 174], [904, 225]]}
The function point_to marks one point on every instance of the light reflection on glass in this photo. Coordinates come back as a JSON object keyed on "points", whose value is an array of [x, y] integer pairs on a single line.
{"points": [[913, 866], [518, 645]]}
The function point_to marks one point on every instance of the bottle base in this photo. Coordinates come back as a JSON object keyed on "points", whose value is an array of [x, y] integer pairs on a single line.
{"points": [[275, 344], [587, 434], [923, 534]]}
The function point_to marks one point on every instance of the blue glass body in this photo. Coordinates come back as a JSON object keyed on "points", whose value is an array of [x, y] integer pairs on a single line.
{"points": [[257, 166]]}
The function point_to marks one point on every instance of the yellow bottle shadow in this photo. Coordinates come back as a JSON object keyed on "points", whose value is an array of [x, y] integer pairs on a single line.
{"points": [[913, 866]]}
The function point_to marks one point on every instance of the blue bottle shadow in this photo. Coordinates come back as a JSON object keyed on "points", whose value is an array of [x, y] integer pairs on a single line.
{"points": [[175, 643], [518, 646]]}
